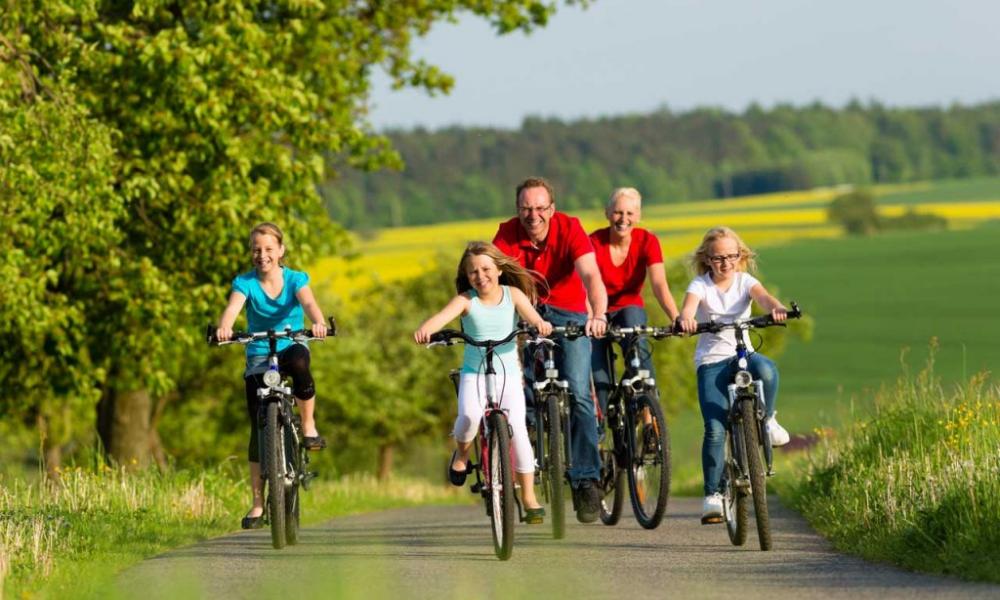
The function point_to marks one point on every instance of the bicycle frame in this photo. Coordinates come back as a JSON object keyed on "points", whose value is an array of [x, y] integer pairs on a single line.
{"points": [[544, 354]]}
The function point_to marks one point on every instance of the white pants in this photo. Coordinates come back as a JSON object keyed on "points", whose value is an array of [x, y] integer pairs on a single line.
{"points": [[510, 397]]}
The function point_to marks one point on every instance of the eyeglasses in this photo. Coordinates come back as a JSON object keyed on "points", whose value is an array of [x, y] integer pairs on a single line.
{"points": [[527, 210], [721, 258]]}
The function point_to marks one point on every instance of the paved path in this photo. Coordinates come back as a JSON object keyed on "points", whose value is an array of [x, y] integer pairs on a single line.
{"points": [[446, 552]]}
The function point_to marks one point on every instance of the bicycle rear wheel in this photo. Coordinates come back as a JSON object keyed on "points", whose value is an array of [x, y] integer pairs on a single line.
{"points": [[613, 477], [735, 504], [500, 485], [649, 460], [554, 467], [758, 483], [275, 466]]}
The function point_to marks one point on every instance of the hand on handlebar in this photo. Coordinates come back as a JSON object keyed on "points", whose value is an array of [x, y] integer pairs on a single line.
{"points": [[779, 314], [544, 328], [688, 325], [223, 334], [319, 330], [596, 327]]}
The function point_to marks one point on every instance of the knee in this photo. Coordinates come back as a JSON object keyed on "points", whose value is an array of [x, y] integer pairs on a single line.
{"points": [[715, 433], [463, 429]]}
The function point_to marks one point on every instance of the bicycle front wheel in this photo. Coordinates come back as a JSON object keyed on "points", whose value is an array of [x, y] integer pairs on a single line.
{"points": [[755, 466], [293, 455], [275, 466], [500, 485], [554, 467], [613, 477], [649, 460], [735, 503]]}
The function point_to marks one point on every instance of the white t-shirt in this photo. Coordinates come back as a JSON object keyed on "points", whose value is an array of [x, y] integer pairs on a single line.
{"points": [[724, 307]]}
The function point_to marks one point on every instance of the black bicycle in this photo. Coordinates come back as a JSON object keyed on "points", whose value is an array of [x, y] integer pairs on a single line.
{"points": [[551, 410], [284, 461], [744, 474], [494, 473], [636, 441]]}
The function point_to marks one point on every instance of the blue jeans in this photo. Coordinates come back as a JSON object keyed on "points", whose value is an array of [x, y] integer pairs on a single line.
{"points": [[573, 361], [713, 397], [601, 359]]}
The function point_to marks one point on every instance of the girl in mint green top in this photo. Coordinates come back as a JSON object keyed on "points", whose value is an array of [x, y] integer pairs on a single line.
{"points": [[492, 290]]}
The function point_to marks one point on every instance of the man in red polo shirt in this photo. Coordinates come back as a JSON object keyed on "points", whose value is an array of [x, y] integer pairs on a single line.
{"points": [[555, 246]]}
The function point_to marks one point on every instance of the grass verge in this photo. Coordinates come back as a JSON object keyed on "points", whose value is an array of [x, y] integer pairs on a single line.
{"points": [[68, 540], [916, 483]]}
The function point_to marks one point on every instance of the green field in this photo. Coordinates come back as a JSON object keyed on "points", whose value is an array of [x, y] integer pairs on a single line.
{"points": [[871, 298]]}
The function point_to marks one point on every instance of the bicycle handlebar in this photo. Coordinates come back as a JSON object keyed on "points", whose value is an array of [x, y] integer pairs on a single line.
{"points": [[754, 323], [642, 330], [245, 337], [445, 337]]}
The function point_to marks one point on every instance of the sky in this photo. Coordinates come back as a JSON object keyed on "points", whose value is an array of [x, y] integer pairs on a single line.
{"points": [[636, 56]]}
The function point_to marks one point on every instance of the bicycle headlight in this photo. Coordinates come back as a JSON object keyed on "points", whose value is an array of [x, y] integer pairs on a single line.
{"points": [[272, 378], [743, 379]]}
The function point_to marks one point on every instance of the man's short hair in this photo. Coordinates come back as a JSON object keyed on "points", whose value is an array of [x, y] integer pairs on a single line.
{"points": [[533, 182]]}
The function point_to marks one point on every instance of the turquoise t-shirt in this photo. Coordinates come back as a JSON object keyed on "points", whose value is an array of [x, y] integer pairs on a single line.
{"points": [[264, 312], [491, 323]]}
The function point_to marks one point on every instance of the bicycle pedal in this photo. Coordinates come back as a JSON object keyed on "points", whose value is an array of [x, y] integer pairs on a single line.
{"points": [[770, 473], [475, 488], [711, 520]]}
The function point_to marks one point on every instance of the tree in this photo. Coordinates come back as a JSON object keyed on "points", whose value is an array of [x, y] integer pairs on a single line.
{"points": [[219, 114]]}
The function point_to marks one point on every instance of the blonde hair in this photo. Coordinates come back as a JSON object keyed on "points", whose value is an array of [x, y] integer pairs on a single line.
{"points": [[511, 272], [623, 192], [267, 228], [699, 260]]}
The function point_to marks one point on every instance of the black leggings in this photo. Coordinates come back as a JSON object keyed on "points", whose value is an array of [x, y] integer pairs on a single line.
{"points": [[292, 361]]}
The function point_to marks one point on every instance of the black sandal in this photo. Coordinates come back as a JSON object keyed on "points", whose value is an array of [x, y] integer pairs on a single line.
{"points": [[313, 442], [457, 478], [249, 522]]}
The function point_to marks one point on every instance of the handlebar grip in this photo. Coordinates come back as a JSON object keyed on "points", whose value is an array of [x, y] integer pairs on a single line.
{"points": [[332, 331], [443, 336]]}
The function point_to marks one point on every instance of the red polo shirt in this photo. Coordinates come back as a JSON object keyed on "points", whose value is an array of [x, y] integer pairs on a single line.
{"points": [[624, 282], [554, 258]]}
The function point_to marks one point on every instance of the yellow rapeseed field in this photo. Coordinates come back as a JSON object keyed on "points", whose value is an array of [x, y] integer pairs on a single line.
{"points": [[763, 220]]}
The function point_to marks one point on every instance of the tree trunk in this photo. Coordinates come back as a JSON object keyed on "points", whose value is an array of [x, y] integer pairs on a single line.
{"points": [[385, 454], [51, 449], [125, 425]]}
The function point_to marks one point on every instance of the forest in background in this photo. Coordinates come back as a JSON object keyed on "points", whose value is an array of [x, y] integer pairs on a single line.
{"points": [[466, 173]]}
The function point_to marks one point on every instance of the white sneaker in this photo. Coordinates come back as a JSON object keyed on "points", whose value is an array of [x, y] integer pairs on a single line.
{"points": [[777, 433], [711, 509]]}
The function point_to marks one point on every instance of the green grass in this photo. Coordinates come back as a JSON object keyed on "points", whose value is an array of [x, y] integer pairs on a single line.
{"points": [[955, 190], [915, 482], [69, 540]]}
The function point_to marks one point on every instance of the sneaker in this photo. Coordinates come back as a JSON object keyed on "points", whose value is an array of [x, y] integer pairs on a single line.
{"points": [[711, 509], [777, 433], [587, 501]]}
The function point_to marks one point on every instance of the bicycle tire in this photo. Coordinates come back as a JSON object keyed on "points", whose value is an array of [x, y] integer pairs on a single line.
{"points": [[649, 464], [293, 454], [613, 477], [275, 466], [735, 504], [554, 467], [500, 484], [758, 483]]}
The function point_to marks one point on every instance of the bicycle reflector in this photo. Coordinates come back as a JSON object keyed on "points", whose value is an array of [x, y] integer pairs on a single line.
{"points": [[272, 378], [743, 379]]}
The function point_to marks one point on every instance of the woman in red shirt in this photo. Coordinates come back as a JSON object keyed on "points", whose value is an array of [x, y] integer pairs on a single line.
{"points": [[626, 255]]}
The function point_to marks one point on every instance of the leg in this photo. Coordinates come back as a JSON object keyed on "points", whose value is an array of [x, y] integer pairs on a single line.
{"points": [[251, 385], [574, 365], [601, 367], [471, 399], [294, 361], [635, 316], [257, 490], [712, 382], [764, 369], [524, 457]]}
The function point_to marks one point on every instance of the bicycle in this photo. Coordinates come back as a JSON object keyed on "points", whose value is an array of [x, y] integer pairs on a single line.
{"points": [[551, 408], [746, 438], [639, 442], [494, 474], [284, 462]]}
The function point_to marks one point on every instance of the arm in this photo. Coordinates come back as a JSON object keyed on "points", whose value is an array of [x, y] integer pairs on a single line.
{"points": [[528, 312], [224, 331], [312, 310], [586, 267], [688, 309], [769, 303], [458, 305], [661, 290]]}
